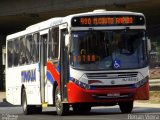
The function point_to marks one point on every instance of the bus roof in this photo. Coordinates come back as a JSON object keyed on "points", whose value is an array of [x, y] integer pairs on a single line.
{"points": [[104, 12], [36, 27]]}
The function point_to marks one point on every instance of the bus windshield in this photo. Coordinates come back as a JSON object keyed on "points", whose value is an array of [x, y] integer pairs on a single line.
{"points": [[108, 50]]}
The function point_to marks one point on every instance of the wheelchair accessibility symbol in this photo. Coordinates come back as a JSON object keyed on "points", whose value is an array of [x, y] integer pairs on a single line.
{"points": [[117, 63]]}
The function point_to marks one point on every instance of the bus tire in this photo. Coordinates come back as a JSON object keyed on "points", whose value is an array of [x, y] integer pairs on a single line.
{"points": [[126, 107], [61, 108], [26, 108]]}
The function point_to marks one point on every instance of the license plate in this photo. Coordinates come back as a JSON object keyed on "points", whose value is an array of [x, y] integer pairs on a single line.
{"points": [[113, 95]]}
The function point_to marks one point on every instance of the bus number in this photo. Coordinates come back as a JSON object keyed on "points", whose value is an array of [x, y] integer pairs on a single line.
{"points": [[86, 21]]}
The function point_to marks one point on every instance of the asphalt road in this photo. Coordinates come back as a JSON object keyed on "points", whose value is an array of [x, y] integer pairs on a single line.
{"points": [[97, 113]]}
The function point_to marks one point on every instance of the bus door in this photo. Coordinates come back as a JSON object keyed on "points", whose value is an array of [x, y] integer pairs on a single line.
{"points": [[64, 63], [43, 61]]}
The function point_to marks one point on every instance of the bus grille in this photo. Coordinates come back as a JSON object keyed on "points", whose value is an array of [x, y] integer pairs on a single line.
{"points": [[111, 75]]}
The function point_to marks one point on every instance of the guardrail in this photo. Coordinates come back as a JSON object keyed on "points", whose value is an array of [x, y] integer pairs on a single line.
{"points": [[154, 84]]}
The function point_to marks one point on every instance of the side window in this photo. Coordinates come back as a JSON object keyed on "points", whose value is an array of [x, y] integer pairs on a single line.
{"points": [[16, 48], [35, 46], [54, 44], [55, 36], [44, 39], [9, 53], [29, 49], [23, 58], [50, 43]]}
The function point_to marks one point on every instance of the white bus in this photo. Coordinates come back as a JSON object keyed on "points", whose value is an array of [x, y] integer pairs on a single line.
{"points": [[81, 60]]}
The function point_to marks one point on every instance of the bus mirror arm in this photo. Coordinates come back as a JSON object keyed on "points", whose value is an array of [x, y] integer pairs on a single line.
{"points": [[67, 37], [148, 44]]}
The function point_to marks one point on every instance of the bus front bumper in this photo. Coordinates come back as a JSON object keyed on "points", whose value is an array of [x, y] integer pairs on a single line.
{"points": [[77, 94]]}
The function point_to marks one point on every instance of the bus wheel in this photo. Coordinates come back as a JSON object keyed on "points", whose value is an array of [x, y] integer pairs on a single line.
{"points": [[26, 108], [61, 108], [81, 108], [126, 107]]}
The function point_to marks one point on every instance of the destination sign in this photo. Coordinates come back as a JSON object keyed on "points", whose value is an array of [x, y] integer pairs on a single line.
{"points": [[85, 21]]}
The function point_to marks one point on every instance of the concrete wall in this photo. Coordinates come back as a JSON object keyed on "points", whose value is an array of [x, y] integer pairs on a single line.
{"points": [[13, 7]]}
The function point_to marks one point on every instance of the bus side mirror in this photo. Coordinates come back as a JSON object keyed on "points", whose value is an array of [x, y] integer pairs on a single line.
{"points": [[148, 44]]}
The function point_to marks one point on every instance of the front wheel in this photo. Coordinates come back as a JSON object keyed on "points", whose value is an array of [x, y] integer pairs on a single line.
{"points": [[126, 107], [61, 108]]}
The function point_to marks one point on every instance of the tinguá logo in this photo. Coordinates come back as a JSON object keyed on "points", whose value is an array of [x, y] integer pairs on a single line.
{"points": [[28, 75]]}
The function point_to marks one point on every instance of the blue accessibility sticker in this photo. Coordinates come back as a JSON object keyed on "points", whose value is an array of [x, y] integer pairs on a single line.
{"points": [[117, 63]]}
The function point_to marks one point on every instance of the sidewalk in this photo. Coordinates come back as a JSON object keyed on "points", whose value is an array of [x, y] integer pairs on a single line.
{"points": [[2, 96], [149, 105]]}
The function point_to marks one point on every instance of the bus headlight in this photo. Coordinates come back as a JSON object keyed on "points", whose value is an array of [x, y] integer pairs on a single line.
{"points": [[142, 82]]}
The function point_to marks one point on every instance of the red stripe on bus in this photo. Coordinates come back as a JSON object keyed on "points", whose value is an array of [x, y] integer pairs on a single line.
{"points": [[51, 68]]}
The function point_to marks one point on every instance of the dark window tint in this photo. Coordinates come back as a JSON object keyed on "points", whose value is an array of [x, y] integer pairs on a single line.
{"points": [[10, 53], [29, 49], [16, 52], [53, 44], [23, 57], [44, 47], [35, 46]]}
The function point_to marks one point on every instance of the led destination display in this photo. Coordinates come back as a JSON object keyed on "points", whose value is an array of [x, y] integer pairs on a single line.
{"points": [[85, 21]]}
